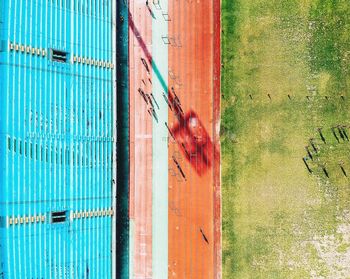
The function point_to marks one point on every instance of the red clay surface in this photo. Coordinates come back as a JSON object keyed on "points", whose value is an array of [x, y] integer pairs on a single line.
{"points": [[140, 139], [194, 177]]}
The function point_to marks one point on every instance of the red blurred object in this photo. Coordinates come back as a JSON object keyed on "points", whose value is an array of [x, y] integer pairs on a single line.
{"points": [[194, 141]]}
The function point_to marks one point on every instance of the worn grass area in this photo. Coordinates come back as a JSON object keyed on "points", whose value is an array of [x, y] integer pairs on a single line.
{"points": [[280, 221]]}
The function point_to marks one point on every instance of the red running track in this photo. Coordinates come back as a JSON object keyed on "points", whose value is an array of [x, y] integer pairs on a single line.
{"points": [[194, 157], [194, 80], [140, 140]]}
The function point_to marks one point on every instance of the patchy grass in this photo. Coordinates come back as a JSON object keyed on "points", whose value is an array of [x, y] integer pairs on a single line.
{"points": [[279, 221]]}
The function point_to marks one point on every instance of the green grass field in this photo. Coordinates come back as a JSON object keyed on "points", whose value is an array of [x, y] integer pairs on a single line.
{"points": [[286, 73]]}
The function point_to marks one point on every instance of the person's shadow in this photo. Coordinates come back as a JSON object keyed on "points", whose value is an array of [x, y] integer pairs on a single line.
{"points": [[150, 10]]}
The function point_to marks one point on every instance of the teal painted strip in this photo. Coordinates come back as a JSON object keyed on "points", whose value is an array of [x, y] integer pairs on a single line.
{"points": [[122, 226], [160, 147]]}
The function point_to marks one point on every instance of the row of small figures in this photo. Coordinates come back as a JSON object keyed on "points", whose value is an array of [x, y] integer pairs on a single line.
{"points": [[28, 49]]}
